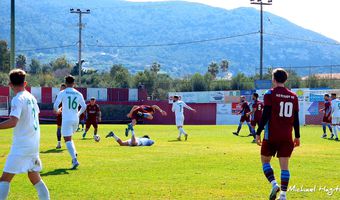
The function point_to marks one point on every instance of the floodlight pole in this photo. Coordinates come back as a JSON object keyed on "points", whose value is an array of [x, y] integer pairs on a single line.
{"points": [[12, 51], [261, 3], [80, 25]]}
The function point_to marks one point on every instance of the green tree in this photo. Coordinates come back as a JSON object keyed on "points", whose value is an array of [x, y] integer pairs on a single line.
{"points": [[213, 69], [35, 66], [155, 67], [21, 62], [198, 83], [46, 68], [294, 80], [117, 68], [4, 57], [60, 63], [241, 82], [224, 65], [122, 79]]}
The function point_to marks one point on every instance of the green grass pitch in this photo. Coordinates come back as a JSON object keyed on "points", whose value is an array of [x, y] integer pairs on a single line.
{"points": [[212, 164]]}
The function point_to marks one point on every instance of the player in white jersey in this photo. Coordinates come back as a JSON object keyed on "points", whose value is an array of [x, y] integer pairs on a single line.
{"points": [[24, 153], [70, 100], [335, 115], [134, 141], [178, 108]]}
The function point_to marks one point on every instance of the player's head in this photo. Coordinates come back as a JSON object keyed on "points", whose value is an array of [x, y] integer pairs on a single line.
{"points": [[69, 80], [92, 101], [17, 79], [146, 136], [279, 76], [333, 96], [255, 96], [176, 98], [242, 98], [62, 86], [326, 97]]}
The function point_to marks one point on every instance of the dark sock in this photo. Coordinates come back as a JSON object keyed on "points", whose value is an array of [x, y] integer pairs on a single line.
{"points": [[58, 134], [330, 128], [268, 172], [239, 127], [324, 128], [284, 180]]}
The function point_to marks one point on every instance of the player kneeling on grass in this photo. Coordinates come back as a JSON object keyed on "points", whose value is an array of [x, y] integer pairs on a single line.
{"points": [[140, 113], [134, 141], [178, 108], [24, 154], [280, 115]]}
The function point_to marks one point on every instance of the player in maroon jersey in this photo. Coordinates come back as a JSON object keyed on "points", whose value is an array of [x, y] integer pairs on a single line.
{"points": [[255, 113], [59, 117], [141, 112], [245, 117], [280, 115], [93, 116], [327, 118]]}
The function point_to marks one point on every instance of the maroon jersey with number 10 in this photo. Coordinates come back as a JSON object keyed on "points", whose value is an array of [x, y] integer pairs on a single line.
{"points": [[283, 104]]}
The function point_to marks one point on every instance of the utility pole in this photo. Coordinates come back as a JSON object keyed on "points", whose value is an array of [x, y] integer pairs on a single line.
{"points": [[261, 3], [12, 51], [80, 25]]}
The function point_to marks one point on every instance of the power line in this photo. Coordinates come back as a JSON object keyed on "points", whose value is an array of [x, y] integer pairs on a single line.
{"points": [[175, 43], [301, 39], [47, 48]]}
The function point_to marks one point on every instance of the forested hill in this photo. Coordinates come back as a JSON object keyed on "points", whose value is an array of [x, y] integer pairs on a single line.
{"points": [[115, 28]]}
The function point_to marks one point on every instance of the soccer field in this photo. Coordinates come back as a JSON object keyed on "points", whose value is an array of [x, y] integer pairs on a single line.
{"points": [[212, 164]]}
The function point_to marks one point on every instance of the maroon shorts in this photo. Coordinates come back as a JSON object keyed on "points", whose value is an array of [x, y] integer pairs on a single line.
{"points": [[327, 120], [255, 122], [59, 118], [280, 149], [245, 118], [92, 122]]}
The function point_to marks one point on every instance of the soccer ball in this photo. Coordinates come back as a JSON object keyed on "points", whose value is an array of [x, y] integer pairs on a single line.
{"points": [[96, 138]]}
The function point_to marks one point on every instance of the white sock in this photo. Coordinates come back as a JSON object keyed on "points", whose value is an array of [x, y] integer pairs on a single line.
{"points": [[283, 193], [116, 137], [335, 131], [43, 192], [4, 189], [182, 131], [273, 183], [71, 149]]}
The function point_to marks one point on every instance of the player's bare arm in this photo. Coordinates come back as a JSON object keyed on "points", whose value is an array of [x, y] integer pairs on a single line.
{"points": [[129, 115], [10, 123], [159, 109]]}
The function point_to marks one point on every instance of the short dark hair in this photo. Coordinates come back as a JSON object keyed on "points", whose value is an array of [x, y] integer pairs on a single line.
{"points": [[63, 85], [146, 136], [280, 75], [333, 95], [326, 95], [69, 79], [17, 77], [176, 97], [256, 95]]}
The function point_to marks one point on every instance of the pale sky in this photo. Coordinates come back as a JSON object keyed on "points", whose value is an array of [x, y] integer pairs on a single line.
{"points": [[322, 16]]}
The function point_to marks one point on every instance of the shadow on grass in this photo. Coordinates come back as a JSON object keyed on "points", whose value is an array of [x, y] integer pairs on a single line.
{"points": [[244, 135], [56, 172], [175, 140], [86, 139], [53, 151]]}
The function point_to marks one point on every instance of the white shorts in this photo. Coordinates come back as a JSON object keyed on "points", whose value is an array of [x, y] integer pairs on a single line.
{"points": [[336, 120], [69, 127], [22, 164], [180, 121]]}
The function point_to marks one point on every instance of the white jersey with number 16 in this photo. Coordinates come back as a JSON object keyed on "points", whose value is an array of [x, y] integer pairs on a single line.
{"points": [[70, 100]]}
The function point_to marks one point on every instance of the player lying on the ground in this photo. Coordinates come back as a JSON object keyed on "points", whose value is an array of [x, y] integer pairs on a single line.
{"points": [[59, 120], [93, 116], [327, 118], [178, 108], [141, 112], [335, 115], [24, 154], [256, 112], [245, 117], [134, 141], [280, 115]]}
